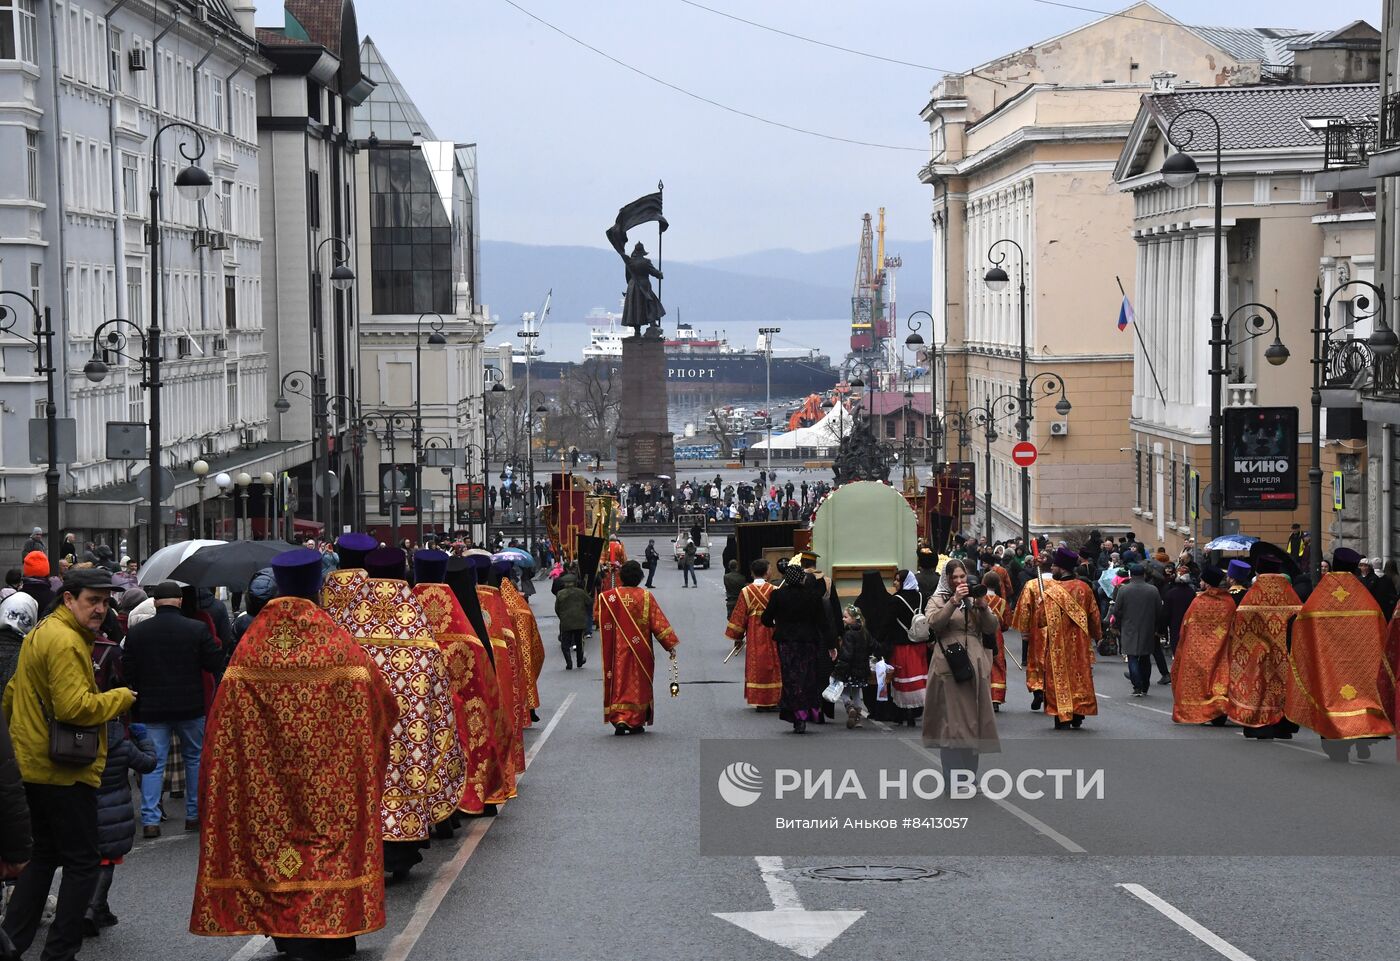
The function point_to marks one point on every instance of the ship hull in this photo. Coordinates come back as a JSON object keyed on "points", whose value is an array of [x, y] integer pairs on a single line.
{"points": [[724, 375]]}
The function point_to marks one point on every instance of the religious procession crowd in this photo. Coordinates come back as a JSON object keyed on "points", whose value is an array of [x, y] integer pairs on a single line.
{"points": [[361, 713], [1254, 642]]}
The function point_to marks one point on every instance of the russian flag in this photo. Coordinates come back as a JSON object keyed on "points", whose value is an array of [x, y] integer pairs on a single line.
{"points": [[1125, 314]]}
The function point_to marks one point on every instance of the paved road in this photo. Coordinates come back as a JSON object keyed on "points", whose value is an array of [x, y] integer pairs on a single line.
{"points": [[599, 857]]}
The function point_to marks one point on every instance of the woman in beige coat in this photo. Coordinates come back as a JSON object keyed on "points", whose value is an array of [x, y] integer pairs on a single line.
{"points": [[958, 715]]}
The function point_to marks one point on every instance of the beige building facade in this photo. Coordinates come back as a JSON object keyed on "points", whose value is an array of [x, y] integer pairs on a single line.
{"points": [[1024, 148]]}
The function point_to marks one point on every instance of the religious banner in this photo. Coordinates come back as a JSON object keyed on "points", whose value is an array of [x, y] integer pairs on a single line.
{"points": [[1261, 458], [471, 503]]}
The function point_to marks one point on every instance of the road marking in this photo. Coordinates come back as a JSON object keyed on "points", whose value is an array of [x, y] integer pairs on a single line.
{"points": [[1035, 823], [1197, 930], [1154, 710], [254, 945], [403, 944], [805, 933], [443, 880]]}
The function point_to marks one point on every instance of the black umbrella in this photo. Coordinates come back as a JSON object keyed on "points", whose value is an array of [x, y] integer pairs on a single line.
{"points": [[228, 565]]}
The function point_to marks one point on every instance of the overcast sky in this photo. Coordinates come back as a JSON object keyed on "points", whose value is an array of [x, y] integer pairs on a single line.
{"points": [[566, 137]]}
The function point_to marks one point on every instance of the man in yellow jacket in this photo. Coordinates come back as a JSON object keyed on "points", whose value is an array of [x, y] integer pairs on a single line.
{"points": [[54, 680]]}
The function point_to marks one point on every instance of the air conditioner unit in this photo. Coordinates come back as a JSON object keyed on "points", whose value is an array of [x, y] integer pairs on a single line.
{"points": [[202, 13], [1059, 428], [202, 237], [183, 346], [220, 345], [218, 240], [136, 59], [248, 437]]}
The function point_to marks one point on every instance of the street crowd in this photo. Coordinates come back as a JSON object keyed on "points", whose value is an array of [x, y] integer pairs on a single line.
{"points": [[357, 708]]}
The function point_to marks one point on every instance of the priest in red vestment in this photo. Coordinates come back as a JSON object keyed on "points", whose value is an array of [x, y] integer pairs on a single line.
{"points": [[476, 695], [763, 679], [1337, 658], [427, 772], [501, 625], [1067, 613], [1201, 674], [1259, 655], [527, 632], [295, 753], [996, 602], [628, 617], [1029, 619]]}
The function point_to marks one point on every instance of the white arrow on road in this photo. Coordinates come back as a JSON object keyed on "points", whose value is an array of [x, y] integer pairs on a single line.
{"points": [[806, 933]]}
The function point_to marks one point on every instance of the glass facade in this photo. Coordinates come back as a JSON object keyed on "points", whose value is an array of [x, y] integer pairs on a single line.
{"points": [[411, 234]]}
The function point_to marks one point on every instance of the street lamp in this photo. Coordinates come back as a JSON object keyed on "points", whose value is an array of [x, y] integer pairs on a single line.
{"points": [[192, 184], [915, 340], [528, 335], [435, 339], [109, 337], [390, 423], [768, 333], [493, 376], [201, 471], [1350, 359], [996, 279], [242, 523], [1257, 326], [1179, 171], [268, 479], [223, 482], [42, 347]]}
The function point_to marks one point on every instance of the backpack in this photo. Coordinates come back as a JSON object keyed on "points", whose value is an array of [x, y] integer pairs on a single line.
{"points": [[917, 631]]}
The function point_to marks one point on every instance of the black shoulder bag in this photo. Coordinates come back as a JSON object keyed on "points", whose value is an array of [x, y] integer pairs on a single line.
{"points": [[71, 745], [959, 662]]}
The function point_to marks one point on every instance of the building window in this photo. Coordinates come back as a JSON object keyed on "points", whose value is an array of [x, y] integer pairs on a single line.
{"points": [[226, 206], [31, 156], [131, 184], [1172, 512], [216, 104], [135, 304], [36, 283], [1151, 504], [410, 235], [230, 302], [232, 381], [115, 67], [313, 199], [1137, 477], [19, 31]]}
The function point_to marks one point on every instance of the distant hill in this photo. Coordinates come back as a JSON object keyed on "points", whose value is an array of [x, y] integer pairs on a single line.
{"points": [[766, 286]]}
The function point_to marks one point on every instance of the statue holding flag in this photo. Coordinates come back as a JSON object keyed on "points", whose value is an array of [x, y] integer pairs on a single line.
{"points": [[642, 306]]}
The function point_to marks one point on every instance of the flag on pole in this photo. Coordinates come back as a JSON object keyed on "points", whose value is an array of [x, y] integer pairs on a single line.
{"points": [[1125, 314]]}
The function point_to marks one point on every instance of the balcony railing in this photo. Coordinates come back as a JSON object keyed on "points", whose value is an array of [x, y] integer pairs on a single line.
{"points": [[1349, 143], [1390, 121], [1241, 395]]}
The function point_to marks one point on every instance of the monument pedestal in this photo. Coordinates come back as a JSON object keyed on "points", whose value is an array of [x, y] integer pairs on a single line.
{"points": [[645, 448]]}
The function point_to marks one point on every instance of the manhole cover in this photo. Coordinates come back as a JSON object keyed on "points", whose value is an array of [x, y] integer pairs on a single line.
{"points": [[871, 872]]}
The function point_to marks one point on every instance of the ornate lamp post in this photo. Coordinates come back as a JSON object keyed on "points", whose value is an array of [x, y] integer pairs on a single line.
{"points": [[435, 339], [110, 336], [192, 184], [915, 340], [1340, 364], [41, 345], [225, 485], [243, 522], [342, 278], [201, 471], [1179, 171], [268, 480], [996, 279]]}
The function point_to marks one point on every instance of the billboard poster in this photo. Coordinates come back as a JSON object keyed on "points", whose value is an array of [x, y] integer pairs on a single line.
{"points": [[1261, 458], [471, 503], [966, 474]]}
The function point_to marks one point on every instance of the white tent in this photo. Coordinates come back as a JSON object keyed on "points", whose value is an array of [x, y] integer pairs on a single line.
{"points": [[823, 436]]}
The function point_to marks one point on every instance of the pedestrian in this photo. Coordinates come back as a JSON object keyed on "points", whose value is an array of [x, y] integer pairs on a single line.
{"points": [[1258, 654], [571, 607], [629, 617], [298, 747], [734, 582], [1063, 617], [1136, 609], [1200, 690], [69, 549], [127, 751], [55, 682], [653, 558], [1380, 587], [165, 659], [688, 578], [958, 716], [797, 614], [36, 582], [762, 677], [1177, 598], [35, 543], [16, 834], [852, 665], [261, 589], [18, 615]]}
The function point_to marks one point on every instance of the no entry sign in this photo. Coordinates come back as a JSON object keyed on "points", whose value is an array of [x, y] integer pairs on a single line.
{"points": [[1024, 454]]}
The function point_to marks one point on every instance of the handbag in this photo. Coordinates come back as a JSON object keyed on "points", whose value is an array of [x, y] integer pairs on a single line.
{"points": [[833, 690], [959, 661], [72, 745]]}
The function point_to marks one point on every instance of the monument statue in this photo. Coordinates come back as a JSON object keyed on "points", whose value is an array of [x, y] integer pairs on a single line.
{"points": [[641, 306], [860, 456]]}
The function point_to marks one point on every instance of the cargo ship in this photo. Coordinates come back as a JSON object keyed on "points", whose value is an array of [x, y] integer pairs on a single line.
{"points": [[710, 366]]}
